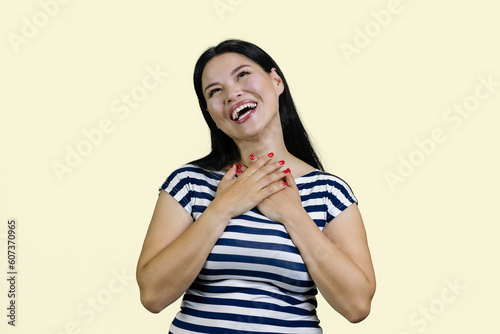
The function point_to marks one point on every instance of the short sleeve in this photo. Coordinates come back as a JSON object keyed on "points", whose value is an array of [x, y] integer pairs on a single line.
{"points": [[339, 197], [178, 185]]}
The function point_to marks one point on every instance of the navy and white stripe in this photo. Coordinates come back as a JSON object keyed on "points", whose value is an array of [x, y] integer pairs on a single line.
{"points": [[254, 280]]}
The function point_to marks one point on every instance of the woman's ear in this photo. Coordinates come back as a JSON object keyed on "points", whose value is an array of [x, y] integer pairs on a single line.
{"points": [[280, 87]]}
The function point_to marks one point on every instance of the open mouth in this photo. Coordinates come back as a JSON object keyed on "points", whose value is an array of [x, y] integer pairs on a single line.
{"points": [[243, 111]]}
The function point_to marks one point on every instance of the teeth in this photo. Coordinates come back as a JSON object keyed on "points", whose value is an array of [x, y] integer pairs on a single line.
{"points": [[240, 108]]}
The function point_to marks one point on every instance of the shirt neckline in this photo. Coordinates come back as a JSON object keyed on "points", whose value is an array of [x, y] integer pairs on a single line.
{"points": [[313, 172]]}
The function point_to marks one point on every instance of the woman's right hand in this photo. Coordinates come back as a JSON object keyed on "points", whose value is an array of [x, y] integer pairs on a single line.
{"points": [[236, 196]]}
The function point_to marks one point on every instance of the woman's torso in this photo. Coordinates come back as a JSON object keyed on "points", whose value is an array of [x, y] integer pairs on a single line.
{"points": [[254, 279]]}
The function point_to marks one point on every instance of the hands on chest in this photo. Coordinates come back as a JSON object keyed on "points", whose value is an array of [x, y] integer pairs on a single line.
{"points": [[263, 185]]}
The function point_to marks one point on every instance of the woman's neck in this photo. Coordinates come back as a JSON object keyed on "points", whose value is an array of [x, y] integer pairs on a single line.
{"points": [[266, 141], [270, 140], [262, 149]]}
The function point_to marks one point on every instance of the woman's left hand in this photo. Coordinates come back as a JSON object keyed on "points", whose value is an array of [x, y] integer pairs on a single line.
{"points": [[284, 203], [337, 257]]}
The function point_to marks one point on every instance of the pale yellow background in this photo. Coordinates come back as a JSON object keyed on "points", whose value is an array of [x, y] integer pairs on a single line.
{"points": [[76, 234]]}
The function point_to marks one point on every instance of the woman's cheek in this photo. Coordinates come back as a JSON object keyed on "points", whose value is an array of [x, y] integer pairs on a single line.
{"points": [[252, 85], [215, 106]]}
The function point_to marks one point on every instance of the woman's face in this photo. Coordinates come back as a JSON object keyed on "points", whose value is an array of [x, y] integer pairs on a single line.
{"points": [[241, 97]]}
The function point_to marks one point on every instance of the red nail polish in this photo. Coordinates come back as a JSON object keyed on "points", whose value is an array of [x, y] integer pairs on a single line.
{"points": [[286, 171], [239, 166], [281, 162], [270, 155], [232, 166], [252, 157], [238, 171], [285, 184]]}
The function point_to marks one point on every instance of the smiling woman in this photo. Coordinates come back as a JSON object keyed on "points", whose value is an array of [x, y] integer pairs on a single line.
{"points": [[250, 232], [239, 92]]}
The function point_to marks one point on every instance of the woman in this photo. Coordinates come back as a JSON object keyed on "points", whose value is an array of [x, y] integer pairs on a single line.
{"points": [[251, 231]]}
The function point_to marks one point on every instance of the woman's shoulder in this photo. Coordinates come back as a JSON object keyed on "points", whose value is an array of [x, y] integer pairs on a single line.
{"points": [[317, 174], [325, 179], [190, 177], [190, 170]]}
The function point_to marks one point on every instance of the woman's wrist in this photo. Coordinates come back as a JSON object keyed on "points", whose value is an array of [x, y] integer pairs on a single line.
{"points": [[295, 217], [218, 211]]}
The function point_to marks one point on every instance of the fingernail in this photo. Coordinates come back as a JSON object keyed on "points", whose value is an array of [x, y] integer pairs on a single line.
{"points": [[252, 157], [270, 155], [286, 171], [281, 162], [285, 184], [232, 166], [238, 171], [239, 166]]}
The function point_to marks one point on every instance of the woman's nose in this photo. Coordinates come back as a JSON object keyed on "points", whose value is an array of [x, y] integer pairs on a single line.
{"points": [[233, 93]]}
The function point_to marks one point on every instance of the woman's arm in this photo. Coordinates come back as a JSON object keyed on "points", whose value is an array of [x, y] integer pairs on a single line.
{"points": [[338, 259], [175, 249]]}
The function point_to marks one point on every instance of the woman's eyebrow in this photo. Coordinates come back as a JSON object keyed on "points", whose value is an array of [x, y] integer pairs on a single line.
{"points": [[232, 73], [237, 69]]}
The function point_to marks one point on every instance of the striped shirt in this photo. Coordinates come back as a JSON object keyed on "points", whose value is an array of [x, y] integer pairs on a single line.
{"points": [[254, 279]]}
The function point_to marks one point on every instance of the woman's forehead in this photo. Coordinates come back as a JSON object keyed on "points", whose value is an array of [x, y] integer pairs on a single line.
{"points": [[224, 64]]}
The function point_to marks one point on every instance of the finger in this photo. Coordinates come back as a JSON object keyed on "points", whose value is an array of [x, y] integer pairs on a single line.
{"points": [[240, 168], [272, 167], [273, 176], [261, 161], [230, 173], [289, 179], [266, 157], [258, 163], [273, 188]]}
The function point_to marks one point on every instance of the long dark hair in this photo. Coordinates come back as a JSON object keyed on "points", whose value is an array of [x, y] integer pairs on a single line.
{"points": [[224, 149]]}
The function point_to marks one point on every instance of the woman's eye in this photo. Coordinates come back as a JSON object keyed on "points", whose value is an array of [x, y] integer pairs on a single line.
{"points": [[242, 74], [213, 91]]}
